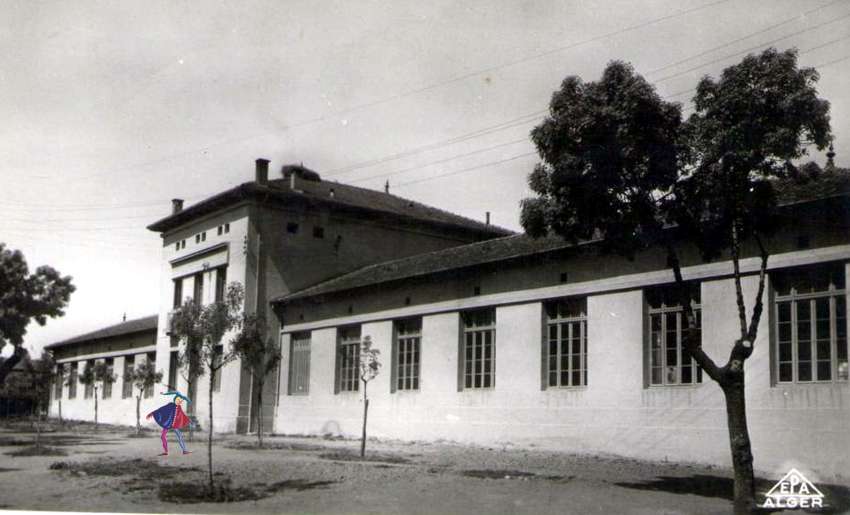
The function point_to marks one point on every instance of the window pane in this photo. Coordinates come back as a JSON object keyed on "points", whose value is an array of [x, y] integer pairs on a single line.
{"points": [[824, 370], [785, 372], [804, 372], [656, 375]]}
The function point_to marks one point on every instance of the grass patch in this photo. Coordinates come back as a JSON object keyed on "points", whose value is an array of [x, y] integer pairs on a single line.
{"points": [[193, 493], [37, 451], [143, 469], [498, 474], [286, 446], [370, 457]]}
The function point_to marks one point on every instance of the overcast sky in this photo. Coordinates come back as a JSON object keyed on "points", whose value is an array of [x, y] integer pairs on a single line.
{"points": [[110, 109]]}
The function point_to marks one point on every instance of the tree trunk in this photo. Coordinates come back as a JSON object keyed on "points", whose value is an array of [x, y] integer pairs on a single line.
{"points": [[37, 428], [210, 429], [138, 415], [739, 440], [365, 414], [260, 413]]}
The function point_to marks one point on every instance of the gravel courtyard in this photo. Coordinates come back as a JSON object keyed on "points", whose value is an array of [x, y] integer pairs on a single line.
{"points": [[108, 471]]}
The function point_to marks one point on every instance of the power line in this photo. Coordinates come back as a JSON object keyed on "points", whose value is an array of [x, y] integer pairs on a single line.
{"points": [[756, 47], [423, 89], [448, 159], [744, 38], [493, 163]]}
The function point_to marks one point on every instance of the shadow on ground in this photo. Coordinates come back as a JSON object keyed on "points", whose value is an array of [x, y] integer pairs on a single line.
{"points": [[836, 497]]}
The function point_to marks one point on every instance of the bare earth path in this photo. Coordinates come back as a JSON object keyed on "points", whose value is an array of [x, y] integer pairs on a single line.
{"points": [[312, 475]]}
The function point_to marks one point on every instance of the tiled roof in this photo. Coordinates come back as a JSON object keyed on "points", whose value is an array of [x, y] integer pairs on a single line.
{"points": [[498, 249], [333, 194], [148, 323], [518, 245]]}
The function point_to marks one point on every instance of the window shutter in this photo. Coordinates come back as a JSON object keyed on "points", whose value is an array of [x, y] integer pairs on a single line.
{"points": [[394, 362], [337, 364], [544, 351], [460, 353]]}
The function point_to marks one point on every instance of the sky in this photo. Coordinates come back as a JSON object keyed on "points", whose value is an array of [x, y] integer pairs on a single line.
{"points": [[111, 109]]}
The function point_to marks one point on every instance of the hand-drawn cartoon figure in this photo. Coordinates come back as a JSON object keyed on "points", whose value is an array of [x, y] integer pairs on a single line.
{"points": [[171, 416]]}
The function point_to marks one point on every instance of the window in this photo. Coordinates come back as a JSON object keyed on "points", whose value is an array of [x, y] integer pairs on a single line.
{"points": [[318, 232], [180, 244], [348, 359], [178, 293], [478, 358], [127, 386], [218, 351], [173, 363], [72, 381], [88, 392], [669, 362], [199, 288], [566, 343], [406, 354], [151, 358], [107, 385], [57, 387], [810, 317], [201, 236], [299, 364], [220, 283], [220, 229], [226, 228], [292, 228]]}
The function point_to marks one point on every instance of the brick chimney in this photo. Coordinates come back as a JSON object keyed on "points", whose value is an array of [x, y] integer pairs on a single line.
{"points": [[176, 205], [262, 172]]}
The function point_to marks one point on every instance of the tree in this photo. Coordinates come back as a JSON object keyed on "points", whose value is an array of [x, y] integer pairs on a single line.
{"points": [[260, 353], [94, 375], [203, 328], [620, 165], [26, 297], [144, 377], [40, 371], [369, 365]]}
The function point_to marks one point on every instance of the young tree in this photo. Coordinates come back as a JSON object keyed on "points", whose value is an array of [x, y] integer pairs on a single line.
{"points": [[260, 353], [143, 377], [95, 375], [621, 166], [369, 365], [26, 297], [203, 328]]}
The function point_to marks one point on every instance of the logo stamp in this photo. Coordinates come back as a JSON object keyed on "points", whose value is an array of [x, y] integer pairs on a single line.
{"points": [[793, 491]]}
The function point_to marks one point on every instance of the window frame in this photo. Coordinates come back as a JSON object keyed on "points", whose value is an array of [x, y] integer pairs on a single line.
{"points": [[562, 318], [348, 350], [109, 363], [406, 373], [300, 351], [127, 386], [835, 296], [669, 306], [470, 326]]}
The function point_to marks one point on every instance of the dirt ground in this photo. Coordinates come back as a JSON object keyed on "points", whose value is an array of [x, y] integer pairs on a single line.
{"points": [[109, 472]]}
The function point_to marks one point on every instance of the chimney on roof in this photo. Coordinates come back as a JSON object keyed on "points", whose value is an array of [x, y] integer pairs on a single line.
{"points": [[262, 172], [387, 186], [176, 205], [488, 218], [331, 193]]}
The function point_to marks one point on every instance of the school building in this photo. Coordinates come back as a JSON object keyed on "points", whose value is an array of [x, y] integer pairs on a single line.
{"points": [[492, 337]]}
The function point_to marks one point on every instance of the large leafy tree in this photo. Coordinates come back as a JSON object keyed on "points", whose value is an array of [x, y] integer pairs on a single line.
{"points": [[620, 165], [25, 297], [203, 328], [259, 352]]}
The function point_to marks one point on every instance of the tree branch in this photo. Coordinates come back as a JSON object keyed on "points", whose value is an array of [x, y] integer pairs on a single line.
{"points": [[9, 363], [690, 340], [739, 294], [757, 308]]}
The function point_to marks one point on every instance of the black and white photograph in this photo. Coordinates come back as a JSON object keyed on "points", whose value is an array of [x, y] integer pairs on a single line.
{"points": [[373, 257]]}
